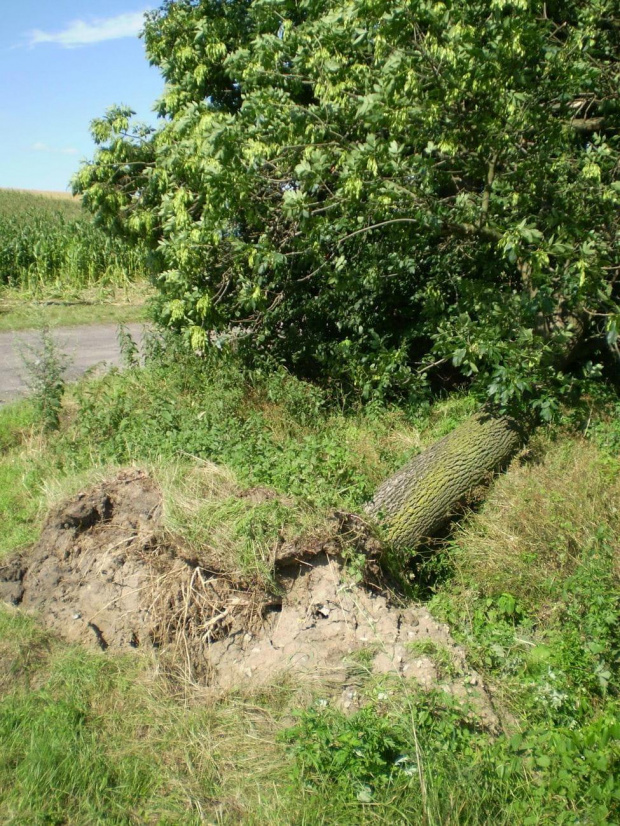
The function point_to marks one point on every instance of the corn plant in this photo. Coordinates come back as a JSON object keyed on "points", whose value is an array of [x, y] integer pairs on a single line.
{"points": [[51, 243]]}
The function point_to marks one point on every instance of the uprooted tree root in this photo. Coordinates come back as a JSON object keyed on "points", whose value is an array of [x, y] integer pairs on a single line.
{"points": [[106, 573]]}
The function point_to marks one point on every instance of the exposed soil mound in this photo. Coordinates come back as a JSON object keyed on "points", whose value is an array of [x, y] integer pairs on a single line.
{"points": [[332, 630], [104, 573], [88, 575]]}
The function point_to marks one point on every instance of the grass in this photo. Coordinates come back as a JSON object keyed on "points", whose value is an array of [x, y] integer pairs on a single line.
{"points": [[538, 520], [19, 494], [20, 310], [528, 585], [440, 655], [205, 501]]}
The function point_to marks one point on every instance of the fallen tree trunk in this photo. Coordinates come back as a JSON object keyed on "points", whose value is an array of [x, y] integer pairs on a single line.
{"points": [[418, 499]]}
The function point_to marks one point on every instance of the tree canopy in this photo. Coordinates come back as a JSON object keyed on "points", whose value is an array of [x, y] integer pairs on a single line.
{"points": [[381, 192]]}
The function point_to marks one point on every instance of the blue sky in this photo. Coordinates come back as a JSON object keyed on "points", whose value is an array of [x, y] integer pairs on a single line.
{"points": [[63, 63]]}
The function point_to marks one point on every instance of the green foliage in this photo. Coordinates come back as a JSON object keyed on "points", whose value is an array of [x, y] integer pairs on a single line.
{"points": [[534, 592], [556, 670], [48, 242], [270, 429], [46, 366], [425, 762], [360, 753], [529, 587], [380, 194]]}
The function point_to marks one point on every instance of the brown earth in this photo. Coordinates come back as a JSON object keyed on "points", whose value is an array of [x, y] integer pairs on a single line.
{"points": [[104, 573]]}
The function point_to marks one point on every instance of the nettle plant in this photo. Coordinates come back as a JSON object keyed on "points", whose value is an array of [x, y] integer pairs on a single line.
{"points": [[381, 192]]}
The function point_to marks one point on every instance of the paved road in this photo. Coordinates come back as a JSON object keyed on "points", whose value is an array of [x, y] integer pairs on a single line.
{"points": [[86, 346]]}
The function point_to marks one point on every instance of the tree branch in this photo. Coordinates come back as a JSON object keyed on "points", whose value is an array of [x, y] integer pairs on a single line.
{"points": [[486, 196], [587, 125]]}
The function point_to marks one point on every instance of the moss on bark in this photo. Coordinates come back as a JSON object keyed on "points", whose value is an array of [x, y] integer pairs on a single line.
{"points": [[418, 499]]}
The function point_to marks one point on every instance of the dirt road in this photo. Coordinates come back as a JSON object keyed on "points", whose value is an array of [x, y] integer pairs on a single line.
{"points": [[86, 346]]}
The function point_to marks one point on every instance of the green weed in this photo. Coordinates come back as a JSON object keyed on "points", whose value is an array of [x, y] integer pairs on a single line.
{"points": [[46, 365], [441, 656], [421, 760], [212, 410]]}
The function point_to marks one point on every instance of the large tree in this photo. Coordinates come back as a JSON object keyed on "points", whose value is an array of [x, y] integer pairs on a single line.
{"points": [[382, 192]]}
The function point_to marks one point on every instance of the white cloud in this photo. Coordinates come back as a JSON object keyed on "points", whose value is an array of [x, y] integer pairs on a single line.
{"points": [[43, 147], [81, 33]]}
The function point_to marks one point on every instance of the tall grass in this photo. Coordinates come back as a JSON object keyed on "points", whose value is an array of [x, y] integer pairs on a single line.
{"points": [[50, 243]]}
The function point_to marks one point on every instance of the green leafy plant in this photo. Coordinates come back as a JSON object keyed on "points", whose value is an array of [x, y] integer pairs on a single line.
{"points": [[50, 243], [361, 752], [46, 365], [130, 349], [384, 196]]}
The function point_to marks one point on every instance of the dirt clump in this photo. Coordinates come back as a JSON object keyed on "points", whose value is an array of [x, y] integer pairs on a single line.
{"points": [[105, 573]]}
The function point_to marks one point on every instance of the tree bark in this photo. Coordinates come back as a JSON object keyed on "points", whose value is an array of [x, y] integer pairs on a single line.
{"points": [[418, 499]]}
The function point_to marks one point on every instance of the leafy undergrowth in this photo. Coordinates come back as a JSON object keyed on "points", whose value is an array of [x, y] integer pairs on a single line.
{"points": [[528, 584], [270, 430]]}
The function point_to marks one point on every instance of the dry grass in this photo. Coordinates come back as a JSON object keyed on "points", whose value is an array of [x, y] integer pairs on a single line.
{"points": [[46, 193], [225, 527], [539, 519], [20, 310]]}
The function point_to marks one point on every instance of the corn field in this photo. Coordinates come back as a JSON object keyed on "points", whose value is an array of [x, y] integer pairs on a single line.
{"points": [[50, 243]]}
